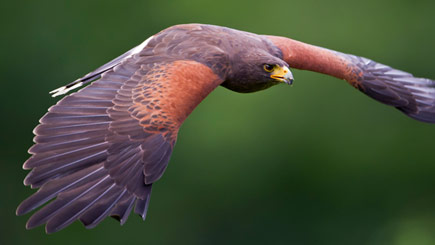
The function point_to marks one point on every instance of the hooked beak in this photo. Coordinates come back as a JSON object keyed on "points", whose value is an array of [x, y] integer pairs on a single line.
{"points": [[283, 74]]}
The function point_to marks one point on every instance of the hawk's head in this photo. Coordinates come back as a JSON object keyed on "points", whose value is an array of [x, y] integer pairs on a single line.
{"points": [[254, 71]]}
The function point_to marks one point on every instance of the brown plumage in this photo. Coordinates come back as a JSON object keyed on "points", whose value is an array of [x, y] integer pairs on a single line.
{"points": [[98, 151]]}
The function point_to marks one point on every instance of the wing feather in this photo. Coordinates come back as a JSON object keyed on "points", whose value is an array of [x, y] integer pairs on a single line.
{"points": [[93, 216], [412, 95], [99, 150], [52, 188], [123, 208]]}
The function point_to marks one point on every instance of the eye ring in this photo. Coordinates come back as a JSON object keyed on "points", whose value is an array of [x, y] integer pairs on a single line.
{"points": [[269, 67]]}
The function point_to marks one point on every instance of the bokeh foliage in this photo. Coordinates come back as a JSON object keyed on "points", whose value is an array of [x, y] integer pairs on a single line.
{"points": [[315, 163]]}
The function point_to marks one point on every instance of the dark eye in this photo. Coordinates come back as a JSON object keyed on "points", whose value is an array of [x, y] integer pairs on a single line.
{"points": [[268, 67]]}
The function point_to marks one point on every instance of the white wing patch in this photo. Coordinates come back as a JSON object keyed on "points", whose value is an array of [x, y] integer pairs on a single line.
{"points": [[97, 73], [140, 47], [64, 89]]}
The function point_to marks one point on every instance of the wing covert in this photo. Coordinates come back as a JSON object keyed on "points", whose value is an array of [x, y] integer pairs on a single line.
{"points": [[412, 95], [98, 151]]}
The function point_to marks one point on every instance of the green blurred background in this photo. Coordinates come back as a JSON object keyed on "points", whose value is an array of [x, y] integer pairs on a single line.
{"points": [[315, 163]]}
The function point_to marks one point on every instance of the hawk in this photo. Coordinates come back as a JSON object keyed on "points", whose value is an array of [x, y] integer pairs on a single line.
{"points": [[98, 151]]}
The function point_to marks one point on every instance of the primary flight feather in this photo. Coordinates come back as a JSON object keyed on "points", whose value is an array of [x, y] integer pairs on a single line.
{"points": [[98, 151]]}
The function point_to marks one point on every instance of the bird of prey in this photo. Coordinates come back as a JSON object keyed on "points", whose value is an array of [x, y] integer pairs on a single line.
{"points": [[98, 151]]}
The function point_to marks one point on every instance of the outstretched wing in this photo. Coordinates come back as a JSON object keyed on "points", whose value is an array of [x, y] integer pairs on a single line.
{"points": [[99, 150], [413, 96]]}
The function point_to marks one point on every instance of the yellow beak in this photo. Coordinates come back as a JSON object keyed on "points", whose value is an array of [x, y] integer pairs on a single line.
{"points": [[282, 74]]}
